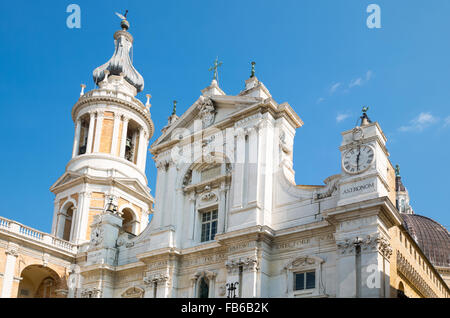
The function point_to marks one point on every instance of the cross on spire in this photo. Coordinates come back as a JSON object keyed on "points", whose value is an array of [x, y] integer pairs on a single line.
{"points": [[214, 68]]}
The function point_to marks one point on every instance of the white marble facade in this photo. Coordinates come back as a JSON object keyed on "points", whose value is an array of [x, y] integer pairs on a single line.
{"points": [[231, 156], [227, 211]]}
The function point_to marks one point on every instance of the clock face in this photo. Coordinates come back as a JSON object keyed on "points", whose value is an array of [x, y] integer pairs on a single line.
{"points": [[358, 159]]}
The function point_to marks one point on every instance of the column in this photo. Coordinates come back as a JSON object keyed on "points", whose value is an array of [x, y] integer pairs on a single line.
{"points": [[212, 284], [98, 131], [77, 219], [91, 132], [83, 211], [11, 255], [239, 169], [60, 224], [250, 278], [163, 287], [123, 140], [346, 269], [115, 135], [141, 155], [252, 165], [55, 216], [76, 142], [222, 208]]}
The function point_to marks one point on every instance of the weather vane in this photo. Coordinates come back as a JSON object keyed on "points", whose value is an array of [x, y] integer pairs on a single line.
{"points": [[214, 68], [124, 24], [123, 17]]}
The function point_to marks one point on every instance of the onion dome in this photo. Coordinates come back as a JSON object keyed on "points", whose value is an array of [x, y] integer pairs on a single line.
{"points": [[432, 237], [120, 63]]}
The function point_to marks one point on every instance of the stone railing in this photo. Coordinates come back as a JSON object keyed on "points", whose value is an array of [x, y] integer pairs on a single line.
{"points": [[31, 234]]}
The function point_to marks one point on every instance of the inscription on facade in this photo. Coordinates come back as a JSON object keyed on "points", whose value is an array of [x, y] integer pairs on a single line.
{"points": [[292, 244], [204, 260], [359, 188]]}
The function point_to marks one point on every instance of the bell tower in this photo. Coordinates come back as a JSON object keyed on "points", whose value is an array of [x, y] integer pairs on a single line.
{"points": [[112, 131]]}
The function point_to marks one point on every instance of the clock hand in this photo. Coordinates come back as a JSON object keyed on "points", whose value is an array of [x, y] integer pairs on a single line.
{"points": [[357, 158]]}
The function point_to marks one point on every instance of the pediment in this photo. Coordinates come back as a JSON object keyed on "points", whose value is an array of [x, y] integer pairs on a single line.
{"points": [[67, 177], [135, 186], [204, 113]]}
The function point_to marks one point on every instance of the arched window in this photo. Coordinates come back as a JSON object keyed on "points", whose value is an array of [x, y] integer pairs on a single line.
{"points": [[68, 222], [132, 141], [129, 221], [401, 291], [84, 130], [203, 288]]}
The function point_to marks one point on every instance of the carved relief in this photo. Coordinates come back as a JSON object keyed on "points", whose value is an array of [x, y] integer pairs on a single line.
{"points": [[157, 278], [97, 236], [134, 292], [207, 111], [371, 243], [248, 264], [210, 196], [13, 250], [91, 293]]}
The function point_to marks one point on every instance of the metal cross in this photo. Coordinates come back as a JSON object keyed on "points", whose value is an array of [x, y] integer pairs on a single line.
{"points": [[215, 67]]}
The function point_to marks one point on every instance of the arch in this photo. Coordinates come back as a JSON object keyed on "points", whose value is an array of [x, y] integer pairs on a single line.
{"points": [[199, 163], [130, 218], [66, 219], [133, 292], [203, 287], [204, 284], [401, 291], [38, 281], [69, 200]]}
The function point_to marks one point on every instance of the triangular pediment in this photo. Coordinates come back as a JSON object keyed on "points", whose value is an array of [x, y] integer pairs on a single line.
{"points": [[192, 120], [66, 178]]}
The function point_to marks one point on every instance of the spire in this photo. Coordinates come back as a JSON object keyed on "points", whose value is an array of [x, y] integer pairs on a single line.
{"points": [[120, 63]]}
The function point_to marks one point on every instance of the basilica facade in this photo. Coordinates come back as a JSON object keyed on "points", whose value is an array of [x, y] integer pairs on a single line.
{"points": [[227, 219]]}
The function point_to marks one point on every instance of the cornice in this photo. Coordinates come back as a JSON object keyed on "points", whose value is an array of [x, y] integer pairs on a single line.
{"points": [[86, 100]]}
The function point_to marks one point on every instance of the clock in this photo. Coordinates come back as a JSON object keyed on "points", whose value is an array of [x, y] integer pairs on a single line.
{"points": [[358, 159]]}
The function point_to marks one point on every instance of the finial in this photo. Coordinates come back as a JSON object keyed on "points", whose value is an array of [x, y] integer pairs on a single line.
{"points": [[214, 68], [174, 112], [147, 104], [82, 89], [253, 70], [397, 170], [124, 24]]}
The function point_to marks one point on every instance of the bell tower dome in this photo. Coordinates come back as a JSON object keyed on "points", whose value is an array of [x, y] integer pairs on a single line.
{"points": [[112, 131]]}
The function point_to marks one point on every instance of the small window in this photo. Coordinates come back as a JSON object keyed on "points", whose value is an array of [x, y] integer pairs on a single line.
{"points": [[209, 225], [305, 280]]}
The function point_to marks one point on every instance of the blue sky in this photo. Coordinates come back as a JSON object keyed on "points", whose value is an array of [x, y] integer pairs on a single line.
{"points": [[318, 55]]}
